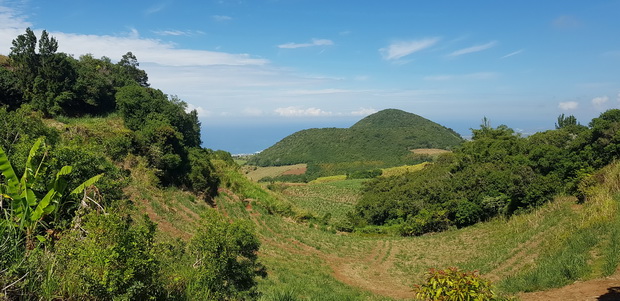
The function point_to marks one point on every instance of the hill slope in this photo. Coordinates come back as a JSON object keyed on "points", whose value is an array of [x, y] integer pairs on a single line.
{"points": [[382, 139]]}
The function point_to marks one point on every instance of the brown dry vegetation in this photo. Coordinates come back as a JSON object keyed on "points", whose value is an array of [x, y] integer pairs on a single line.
{"points": [[257, 173], [429, 151]]}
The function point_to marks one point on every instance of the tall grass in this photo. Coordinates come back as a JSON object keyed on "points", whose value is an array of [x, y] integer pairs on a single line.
{"points": [[571, 256]]}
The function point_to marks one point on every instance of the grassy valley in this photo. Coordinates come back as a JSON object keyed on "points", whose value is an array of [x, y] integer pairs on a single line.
{"points": [[106, 194]]}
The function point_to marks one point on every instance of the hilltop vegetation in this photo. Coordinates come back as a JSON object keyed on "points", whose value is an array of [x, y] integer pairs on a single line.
{"points": [[383, 139]]}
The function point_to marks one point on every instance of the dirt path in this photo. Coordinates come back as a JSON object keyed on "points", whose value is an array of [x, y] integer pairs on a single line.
{"points": [[605, 289]]}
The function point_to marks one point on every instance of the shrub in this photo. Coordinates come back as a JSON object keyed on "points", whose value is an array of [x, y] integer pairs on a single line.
{"points": [[225, 260], [454, 284], [424, 222], [108, 257]]}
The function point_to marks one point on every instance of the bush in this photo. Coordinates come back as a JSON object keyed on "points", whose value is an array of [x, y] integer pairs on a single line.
{"points": [[424, 222], [225, 260], [454, 284], [467, 213], [109, 257]]}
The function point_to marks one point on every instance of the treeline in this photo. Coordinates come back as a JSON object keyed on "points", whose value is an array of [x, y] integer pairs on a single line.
{"points": [[497, 173], [37, 78], [68, 123]]}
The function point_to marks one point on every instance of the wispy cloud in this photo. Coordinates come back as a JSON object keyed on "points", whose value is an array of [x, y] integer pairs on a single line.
{"points": [[221, 18], [314, 42], [13, 24], [364, 112], [567, 106], [512, 54], [155, 9], [187, 33], [199, 110], [148, 50], [566, 22], [472, 76], [599, 101], [318, 92], [298, 112], [401, 49], [476, 48]]}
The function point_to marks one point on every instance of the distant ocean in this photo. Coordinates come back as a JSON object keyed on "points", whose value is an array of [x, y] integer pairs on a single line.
{"points": [[249, 139]]}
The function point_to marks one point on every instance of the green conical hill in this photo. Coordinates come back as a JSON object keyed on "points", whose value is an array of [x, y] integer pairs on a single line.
{"points": [[381, 139]]}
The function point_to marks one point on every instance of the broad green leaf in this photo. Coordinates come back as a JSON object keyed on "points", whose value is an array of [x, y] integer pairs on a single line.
{"points": [[65, 170], [28, 173], [41, 238], [86, 184], [9, 174], [45, 201]]}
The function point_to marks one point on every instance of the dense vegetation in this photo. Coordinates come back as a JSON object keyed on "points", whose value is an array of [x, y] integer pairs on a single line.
{"points": [[498, 173], [380, 140], [66, 124]]}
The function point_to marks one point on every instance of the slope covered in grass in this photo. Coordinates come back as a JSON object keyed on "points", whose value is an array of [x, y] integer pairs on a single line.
{"points": [[554, 245]]}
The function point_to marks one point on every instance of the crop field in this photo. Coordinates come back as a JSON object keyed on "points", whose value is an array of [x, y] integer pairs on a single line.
{"points": [[429, 151], [399, 170], [329, 201], [257, 173]]}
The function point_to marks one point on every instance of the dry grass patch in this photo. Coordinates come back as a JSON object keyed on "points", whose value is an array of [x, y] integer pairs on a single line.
{"points": [[257, 173], [429, 151]]}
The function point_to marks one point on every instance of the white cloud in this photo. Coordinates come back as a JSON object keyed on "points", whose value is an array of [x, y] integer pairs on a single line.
{"points": [[148, 50], [566, 22], [315, 42], [298, 112], [155, 9], [220, 18], [598, 101], [473, 76], [473, 49], [12, 24], [177, 33], [512, 54], [318, 92], [401, 49], [567, 106], [364, 112], [199, 110]]}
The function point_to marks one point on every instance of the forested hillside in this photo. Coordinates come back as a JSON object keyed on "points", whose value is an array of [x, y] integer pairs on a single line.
{"points": [[383, 139], [79, 139]]}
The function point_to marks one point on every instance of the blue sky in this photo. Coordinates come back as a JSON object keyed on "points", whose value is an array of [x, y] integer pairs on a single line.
{"points": [[251, 67]]}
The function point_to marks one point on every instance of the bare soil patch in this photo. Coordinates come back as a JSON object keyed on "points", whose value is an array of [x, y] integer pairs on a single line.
{"points": [[296, 171], [604, 289], [429, 151]]}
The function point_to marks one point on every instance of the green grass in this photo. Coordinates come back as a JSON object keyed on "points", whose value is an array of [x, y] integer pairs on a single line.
{"points": [[551, 246], [329, 201]]}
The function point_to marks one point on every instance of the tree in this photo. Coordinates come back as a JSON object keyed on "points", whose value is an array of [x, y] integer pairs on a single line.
{"points": [[129, 68], [46, 78], [25, 61], [566, 121]]}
